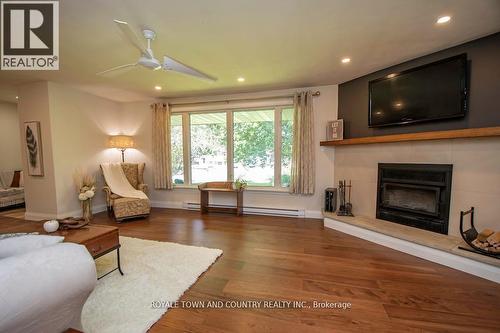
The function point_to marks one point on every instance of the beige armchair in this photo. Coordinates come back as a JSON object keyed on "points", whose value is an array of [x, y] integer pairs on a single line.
{"points": [[124, 208]]}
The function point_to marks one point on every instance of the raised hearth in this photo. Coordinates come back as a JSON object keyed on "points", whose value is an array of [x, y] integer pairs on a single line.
{"points": [[416, 195], [443, 249]]}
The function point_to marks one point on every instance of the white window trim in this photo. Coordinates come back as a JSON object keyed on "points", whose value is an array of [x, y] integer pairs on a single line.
{"points": [[186, 141], [277, 147], [230, 145]]}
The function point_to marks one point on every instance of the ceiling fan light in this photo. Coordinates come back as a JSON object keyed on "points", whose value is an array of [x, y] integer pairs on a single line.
{"points": [[443, 19]]}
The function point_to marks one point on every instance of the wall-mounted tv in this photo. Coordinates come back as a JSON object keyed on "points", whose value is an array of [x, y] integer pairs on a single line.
{"points": [[434, 91]]}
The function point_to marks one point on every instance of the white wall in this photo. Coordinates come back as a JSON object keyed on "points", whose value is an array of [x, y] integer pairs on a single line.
{"points": [[39, 192], [10, 138], [138, 122], [75, 127], [81, 124]]}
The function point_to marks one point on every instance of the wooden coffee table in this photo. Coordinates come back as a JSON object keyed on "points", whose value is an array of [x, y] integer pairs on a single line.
{"points": [[98, 239]]}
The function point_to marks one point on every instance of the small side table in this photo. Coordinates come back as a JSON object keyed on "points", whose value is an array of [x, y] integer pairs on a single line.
{"points": [[226, 187]]}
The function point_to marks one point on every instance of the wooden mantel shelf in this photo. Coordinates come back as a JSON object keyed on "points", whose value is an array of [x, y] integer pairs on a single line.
{"points": [[422, 136]]}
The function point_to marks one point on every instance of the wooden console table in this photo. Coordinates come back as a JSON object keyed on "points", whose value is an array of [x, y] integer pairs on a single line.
{"points": [[221, 187]]}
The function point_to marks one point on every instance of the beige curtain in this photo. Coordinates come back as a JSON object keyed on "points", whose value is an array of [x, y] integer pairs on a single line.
{"points": [[303, 163], [161, 146]]}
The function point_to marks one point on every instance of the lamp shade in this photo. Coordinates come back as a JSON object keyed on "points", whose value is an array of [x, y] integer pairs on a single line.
{"points": [[121, 141]]}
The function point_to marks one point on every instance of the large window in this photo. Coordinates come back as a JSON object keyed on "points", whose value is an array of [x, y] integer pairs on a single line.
{"points": [[254, 145], [208, 147], [286, 145], [177, 149]]}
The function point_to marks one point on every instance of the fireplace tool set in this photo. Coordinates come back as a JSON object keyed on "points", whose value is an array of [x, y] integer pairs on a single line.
{"points": [[345, 207]]}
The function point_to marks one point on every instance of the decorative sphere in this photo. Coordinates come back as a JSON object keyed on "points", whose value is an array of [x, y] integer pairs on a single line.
{"points": [[51, 226]]}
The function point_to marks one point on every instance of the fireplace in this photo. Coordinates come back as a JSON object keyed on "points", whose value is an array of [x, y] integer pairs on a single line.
{"points": [[416, 195]]}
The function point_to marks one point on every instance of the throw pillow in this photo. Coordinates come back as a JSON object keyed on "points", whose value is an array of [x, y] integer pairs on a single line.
{"points": [[15, 179]]}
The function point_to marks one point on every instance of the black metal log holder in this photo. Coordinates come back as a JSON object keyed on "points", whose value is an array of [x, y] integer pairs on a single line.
{"points": [[470, 235]]}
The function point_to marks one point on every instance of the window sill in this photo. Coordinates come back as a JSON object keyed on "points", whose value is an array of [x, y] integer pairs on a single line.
{"points": [[267, 189], [283, 190]]}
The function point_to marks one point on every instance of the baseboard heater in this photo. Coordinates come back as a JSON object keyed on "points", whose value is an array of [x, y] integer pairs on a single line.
{"points": [[253, 210]]}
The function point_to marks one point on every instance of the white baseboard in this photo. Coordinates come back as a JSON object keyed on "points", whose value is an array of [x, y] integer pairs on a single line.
{"points": [[167, 204], [310, 214], [467, 265], [34, 216], [313, 214]]}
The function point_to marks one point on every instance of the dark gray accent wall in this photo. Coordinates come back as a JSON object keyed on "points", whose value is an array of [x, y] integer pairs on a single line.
{"points": [[484, 92]]}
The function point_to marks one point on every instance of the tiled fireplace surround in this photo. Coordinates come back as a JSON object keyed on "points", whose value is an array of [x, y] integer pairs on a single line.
{"points": [[476, 174]]}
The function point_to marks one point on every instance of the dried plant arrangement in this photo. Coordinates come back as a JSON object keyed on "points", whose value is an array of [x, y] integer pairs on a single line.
{"points": [[85, 186]]}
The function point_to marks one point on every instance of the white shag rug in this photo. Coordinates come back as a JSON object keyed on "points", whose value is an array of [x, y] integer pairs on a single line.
{"points": [[154, 271]]}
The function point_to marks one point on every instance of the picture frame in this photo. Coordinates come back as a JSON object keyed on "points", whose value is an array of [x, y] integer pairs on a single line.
{"points": [[33, 145], [335, 130]]}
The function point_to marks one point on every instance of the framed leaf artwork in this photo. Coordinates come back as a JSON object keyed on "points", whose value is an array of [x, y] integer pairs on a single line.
{"points": [[34, 155]]}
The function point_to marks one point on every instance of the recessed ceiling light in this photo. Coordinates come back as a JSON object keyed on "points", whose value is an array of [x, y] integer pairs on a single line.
{"points": [[443, 19], [17, 97], [346, 60], [157, 87], [241, 79], [390, 76]]}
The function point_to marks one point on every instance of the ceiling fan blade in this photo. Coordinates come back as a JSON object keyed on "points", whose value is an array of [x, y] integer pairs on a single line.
{"points": [[170, 64], [132, 37], [128, 66]]}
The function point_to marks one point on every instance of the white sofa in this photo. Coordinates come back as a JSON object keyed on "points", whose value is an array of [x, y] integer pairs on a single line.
{"points": [[44, 290]]}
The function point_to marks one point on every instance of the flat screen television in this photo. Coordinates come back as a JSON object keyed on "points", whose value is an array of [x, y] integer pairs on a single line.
{"points": [[434, 91]]}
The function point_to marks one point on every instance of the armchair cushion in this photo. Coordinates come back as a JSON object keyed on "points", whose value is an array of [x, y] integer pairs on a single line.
{"points": [[140, 172], [131, 171], [143, 188], [130, 207]]}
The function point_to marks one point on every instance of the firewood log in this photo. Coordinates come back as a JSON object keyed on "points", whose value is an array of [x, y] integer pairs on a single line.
{"points": [[483, 245], [494, 239], [483, 235], [475, 242]]}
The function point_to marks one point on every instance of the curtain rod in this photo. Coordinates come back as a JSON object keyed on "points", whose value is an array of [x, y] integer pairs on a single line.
{"points": [[227, 101]]}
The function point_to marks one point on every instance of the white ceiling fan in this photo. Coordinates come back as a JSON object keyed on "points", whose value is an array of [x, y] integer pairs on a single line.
{"points": [[147, 58]]}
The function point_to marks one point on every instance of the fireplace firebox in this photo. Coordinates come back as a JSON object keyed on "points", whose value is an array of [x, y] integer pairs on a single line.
{"points": [[416, 195]]}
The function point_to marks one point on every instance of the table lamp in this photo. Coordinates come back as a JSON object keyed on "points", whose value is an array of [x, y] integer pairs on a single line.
{"points": [[121, 142]]}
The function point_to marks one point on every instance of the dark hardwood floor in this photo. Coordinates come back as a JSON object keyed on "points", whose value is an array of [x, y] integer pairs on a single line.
{"points": [[278, 258]]}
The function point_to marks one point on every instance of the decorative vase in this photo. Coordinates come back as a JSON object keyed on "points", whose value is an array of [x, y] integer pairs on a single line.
{"points": [[51, 226], [87, 210]]}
